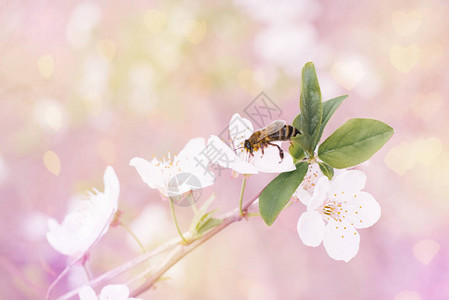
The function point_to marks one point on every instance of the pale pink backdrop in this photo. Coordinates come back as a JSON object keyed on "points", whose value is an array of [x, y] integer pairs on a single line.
{"points": [[88, 84]]}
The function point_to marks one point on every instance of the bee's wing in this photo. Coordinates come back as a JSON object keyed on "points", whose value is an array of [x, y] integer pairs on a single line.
{"points": [[271, 128]]}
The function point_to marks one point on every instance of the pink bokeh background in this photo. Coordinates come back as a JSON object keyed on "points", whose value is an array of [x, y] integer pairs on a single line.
{"points": [[88, 84]]}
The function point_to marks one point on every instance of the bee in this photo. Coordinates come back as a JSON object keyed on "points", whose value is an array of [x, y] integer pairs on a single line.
{"points": [[275, 131]]}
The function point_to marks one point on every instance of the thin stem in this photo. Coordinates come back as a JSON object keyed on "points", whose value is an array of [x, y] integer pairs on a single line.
{"points": [[172, 207], [182, 250], [79, 259], [106, 277], [177, 249], [242, 191], [134, 236], [60, 276]]}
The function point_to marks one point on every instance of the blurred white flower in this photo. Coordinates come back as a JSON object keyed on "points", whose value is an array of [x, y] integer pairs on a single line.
{"points": [[239, 159], [287, 45], [186, 172], [93, 84], [342, 203], [281, 11], [305, 190], [82, 21], [141, 84], [150, 226], [109, 292], [81, 228]]}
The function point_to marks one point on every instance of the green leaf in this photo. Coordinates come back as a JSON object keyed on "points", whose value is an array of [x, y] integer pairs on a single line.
{"points": [[295, 149], [327, 170], [354, 142], [329, 107], [202, 217], [296, 152], [311, 109], [209, 224], [297, 122], [278, 192]]}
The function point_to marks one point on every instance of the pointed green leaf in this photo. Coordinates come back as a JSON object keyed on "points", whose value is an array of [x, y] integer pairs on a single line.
{"points": [[311, 109], [354, 142], [327, 170], [329, 107], [201, 215], [296, 152], [297, 122], [209, 224], [278, 192]]}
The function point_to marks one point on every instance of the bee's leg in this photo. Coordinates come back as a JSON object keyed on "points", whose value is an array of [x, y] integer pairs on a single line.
{"points": [[281, 152]]}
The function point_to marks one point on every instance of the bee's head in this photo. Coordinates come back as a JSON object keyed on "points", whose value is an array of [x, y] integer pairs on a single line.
{"points": [[247, 146]]}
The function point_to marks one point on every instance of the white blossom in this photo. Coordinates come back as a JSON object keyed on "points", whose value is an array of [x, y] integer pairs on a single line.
{"points": [[81, 228], [305, 190], [239, 159], [185, 172], [336, 210]]}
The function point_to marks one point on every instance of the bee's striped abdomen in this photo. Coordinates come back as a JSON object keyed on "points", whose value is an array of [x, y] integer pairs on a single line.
{"points": [[287, 132]]}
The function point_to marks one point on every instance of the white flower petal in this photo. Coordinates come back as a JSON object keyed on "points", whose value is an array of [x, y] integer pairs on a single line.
{"points": [[303, 196], [311, 228], [270, 161], [87, 293], [363, 210], [240, 160], [147, 171], [310, 180], [307, 187], [55, 238], [206, 179], [181, 185], [195, 159], [349, 182], [320, 193], [192, 149], [240, 129], [341, 240], [227, 158], [82, 227], [192, 160], [243, 167], [111, 186], [114, 292], [201, 175], [219, 152], [77, 232]]}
